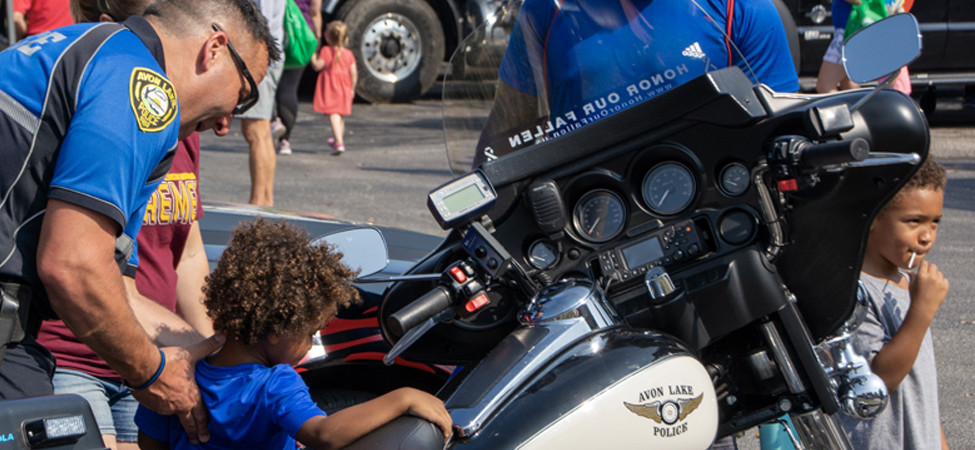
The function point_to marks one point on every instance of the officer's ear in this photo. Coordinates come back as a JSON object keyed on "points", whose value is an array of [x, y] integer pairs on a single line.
{"points": [[214, 51]]}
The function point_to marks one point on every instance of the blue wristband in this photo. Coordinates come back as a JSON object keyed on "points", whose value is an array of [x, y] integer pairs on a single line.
{"points": [[162, 365]]}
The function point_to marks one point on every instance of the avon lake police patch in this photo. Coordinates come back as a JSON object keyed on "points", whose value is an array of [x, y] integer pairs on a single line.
{"points": [[153, 99]]}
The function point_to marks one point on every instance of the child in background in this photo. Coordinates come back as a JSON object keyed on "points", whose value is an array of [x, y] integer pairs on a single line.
{"points": [[895, 337], [270, 292], [337, 76]]}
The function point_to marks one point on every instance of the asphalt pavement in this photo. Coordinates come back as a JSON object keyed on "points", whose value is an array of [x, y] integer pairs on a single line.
{"points": [[395, 155]]}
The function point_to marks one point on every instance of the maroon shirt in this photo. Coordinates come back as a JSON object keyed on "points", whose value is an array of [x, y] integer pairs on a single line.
{"points": [[169, 216]]}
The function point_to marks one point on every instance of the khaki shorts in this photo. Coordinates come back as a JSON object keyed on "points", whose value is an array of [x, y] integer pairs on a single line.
{"points": [[264, 108], [833, 53]]}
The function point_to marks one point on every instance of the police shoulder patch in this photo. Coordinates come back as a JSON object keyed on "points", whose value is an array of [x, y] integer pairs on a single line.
{"points": [[153, 99]]}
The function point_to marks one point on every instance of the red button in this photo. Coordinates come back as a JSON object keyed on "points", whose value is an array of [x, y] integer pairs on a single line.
{"points": [[458, 274], [477, 303], [788, 185]]}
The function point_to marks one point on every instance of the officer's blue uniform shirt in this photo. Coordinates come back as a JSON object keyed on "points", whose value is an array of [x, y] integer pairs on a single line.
{"points": [[102, 110]]}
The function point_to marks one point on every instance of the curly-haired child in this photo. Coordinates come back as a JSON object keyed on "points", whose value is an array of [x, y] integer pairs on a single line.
{"points": [[895, 336], [271, 291]]}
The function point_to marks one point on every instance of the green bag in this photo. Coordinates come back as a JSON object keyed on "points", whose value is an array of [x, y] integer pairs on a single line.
{"points": [[300, 41], [866, 13]]}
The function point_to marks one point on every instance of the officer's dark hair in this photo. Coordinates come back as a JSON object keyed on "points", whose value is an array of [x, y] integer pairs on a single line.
{"points": [[187, 17]]}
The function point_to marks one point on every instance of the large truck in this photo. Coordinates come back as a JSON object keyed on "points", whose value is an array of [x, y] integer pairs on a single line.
{"points": [[400, 45]]}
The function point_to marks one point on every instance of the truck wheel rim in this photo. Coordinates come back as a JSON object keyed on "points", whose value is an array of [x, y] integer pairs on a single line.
{"points": [[391, 47]]}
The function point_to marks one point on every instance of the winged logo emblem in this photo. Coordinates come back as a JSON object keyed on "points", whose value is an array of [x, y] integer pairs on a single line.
{"points": [[668, 411]]}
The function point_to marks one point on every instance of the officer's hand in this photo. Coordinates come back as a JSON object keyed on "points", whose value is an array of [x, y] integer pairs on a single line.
{"points": [[175, 391]]}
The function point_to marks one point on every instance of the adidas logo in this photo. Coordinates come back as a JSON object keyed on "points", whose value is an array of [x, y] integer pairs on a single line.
{"points": [[694, 51]]}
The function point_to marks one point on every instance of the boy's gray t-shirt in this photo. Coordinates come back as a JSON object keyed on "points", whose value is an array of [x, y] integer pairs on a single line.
{"points": [[911, 419]]}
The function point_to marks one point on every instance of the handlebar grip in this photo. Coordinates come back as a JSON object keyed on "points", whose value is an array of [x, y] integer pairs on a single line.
{"points": [[819, 155], [423, 308]]}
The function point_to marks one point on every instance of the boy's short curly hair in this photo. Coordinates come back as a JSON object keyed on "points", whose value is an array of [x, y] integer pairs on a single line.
{"points": [[270, 280], [931, 175]]}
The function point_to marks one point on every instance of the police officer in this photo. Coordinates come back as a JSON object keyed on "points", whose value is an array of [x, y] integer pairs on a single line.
{"points": [[89, 119]]}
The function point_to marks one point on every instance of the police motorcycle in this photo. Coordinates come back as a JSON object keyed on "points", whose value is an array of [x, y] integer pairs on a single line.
{"points": [[681, 269]]}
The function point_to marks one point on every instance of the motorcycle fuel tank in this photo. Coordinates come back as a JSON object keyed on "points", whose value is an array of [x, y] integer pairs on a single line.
{"points": [[618, 388]]}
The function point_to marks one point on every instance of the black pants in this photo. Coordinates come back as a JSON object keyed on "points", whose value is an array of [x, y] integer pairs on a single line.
{"points": [[286, 98], [26, 371]]}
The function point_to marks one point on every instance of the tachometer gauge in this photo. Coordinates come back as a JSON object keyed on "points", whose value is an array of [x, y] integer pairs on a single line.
{"points": [[733, 179], [599, 215], [669, 188]]}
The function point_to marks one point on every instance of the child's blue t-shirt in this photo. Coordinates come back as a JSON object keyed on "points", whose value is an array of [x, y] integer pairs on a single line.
{"points": [[250, 405]]}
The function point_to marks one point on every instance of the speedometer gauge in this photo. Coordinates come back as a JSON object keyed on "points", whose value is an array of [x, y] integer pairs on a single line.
{"points": [[600, 215], [669, 188]]}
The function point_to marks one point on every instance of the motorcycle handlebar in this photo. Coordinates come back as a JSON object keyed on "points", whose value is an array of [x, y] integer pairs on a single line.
{"points": [[423, 308], [814, 156]]}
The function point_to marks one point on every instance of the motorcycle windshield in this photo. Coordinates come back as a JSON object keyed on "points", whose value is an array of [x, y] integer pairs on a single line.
{"points": [[539, 69]]}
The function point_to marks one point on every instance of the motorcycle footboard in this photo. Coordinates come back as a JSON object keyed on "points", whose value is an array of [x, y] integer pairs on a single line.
{"points": [[403, 433]]}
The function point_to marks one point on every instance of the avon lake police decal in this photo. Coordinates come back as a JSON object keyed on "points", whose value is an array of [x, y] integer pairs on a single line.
{"points": [[668, 406], [153, 99]]}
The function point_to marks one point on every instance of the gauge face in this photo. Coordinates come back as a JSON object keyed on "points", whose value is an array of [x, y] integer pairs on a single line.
{"points": [[542, 254], [734, 179], [668, 188], [599, 215]]}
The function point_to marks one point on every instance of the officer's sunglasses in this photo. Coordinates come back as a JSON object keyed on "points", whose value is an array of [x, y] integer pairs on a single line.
{"points": [[251, 99]]}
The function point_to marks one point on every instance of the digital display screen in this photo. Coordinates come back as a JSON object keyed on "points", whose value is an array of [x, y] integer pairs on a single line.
{"points": [[642, 252], [463, 198]]}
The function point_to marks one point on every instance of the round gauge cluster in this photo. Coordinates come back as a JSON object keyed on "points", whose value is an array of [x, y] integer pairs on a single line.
{"points": [[734, 179], [543, 254], [599, 215], [669, 188]]}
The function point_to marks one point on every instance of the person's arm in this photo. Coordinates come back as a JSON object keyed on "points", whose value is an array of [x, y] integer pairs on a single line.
{"points": [[315, 11], [20, 25], [192, 270], [944, 440], [354, 75], [316, 63], [511, 108], [761, 37], [163, 327], [344, 427], [76, 263], [928, 288]]}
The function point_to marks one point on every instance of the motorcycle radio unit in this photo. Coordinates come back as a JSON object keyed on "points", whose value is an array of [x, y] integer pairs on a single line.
{"points": [[459, 200], [672, 244]]}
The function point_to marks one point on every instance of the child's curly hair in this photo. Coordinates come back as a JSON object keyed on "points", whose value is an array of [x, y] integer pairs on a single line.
{"points": [[931, 175], [270, 280]]}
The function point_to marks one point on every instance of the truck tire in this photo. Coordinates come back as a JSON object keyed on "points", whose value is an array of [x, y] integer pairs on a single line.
{"points": [[398, 45]]}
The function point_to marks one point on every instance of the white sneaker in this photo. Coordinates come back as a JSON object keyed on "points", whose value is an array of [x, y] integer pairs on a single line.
{"points": [[277, 128], [284, 147]]}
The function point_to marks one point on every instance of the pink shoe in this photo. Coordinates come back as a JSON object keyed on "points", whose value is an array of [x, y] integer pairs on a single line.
{"points": [[284, 147], [336, 151], [277, 128], [331, 141]]}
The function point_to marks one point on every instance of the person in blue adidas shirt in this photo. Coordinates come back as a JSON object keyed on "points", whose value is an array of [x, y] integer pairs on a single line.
{"points": [[89, 116], [576, 61]]}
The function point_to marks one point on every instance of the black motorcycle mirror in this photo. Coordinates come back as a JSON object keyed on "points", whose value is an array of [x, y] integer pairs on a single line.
{"points": [[880, 50], [363, 249]]}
